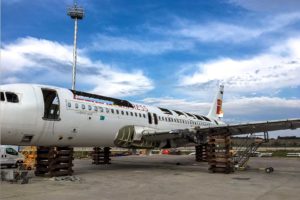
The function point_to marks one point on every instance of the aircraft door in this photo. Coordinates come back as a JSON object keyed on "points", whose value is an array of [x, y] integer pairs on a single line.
{"points": [[51, 105], [149, 118], [51, 112], [152, 118]]}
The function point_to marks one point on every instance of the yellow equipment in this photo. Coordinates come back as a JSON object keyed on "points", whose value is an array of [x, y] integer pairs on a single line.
{"points": [[29, 157]]}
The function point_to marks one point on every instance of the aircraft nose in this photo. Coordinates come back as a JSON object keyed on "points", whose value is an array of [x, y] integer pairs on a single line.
{"points": [[15, 117]]}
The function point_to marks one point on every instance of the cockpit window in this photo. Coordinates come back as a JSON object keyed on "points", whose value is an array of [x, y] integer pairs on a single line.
{"points": [[2, 98], [11, 97]]}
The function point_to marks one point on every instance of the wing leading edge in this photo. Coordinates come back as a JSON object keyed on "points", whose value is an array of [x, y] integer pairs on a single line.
{"points": [[229, 129]]}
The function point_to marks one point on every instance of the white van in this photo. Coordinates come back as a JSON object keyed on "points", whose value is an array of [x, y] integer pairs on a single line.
{"points": [[10, 157]]}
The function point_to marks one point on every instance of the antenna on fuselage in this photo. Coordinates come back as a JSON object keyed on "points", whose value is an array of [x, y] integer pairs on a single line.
{"points": [[76, 13]]}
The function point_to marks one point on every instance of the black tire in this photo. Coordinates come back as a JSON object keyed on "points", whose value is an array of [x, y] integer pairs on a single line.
{"points": [[268, 170]]}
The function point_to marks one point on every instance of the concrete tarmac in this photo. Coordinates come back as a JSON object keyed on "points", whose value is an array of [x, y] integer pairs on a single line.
{"points": [[163, 177]]}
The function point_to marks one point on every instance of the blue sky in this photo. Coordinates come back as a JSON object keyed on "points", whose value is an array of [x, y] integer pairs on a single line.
{"points": [[163, 52]]}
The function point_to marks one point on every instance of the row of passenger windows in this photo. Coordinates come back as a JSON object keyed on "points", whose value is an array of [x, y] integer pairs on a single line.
{"points": [[129, 113], [107, 110], [182, 121], [9, 96]]}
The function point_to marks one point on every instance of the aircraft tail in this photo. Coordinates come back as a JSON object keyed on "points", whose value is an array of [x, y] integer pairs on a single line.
{"points": [[216, 111]]}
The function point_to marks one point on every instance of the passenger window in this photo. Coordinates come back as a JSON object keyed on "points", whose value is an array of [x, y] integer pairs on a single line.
{"points": [[83, 106], [107, 110], [2, 96], [11, 97], [140, 114], [69, 104], [127, 113], [76, 105], [112, 111], [122, 112], [131, 113], [144, 115], [101, 109], [95, 108], [11, 151], [90, 107], [136, 114]]}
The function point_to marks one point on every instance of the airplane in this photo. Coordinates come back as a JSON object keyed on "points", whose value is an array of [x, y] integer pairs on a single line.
{"points": [[42, 115]]}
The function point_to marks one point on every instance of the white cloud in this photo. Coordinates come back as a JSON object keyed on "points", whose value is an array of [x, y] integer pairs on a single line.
{"points": [[119, 83], [261, 108], [123, 44], [54, 60], [10, 79], [215, 31], [179, 104], [27, 52], [277, 68], [183, 35]]}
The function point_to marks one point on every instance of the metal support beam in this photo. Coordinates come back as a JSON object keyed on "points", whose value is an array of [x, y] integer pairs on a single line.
{"points": [[74, 55], [76, 13]]}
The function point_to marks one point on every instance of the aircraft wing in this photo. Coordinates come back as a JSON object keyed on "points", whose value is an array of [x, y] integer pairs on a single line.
{"points": [[228, 129]]}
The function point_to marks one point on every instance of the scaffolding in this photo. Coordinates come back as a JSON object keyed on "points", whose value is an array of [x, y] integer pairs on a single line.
{"points": [[101, 155], [219, 155], [201, 152], [54, 161]]}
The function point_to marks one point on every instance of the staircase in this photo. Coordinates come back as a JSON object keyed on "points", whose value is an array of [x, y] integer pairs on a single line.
{"points": [[246, 149]]}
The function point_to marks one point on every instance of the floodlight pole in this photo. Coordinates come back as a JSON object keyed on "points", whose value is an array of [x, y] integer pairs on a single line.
{"points": [[74, 55], [75, 13]]}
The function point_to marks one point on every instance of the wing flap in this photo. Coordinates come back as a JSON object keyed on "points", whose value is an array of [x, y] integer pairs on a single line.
{"points": [[256, 127]]}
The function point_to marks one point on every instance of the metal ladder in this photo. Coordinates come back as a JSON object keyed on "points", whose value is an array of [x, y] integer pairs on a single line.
{"points": [[246, 149]]}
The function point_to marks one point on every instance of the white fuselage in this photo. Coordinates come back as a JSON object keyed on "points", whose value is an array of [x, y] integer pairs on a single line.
{"points": [[80, 122]]}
